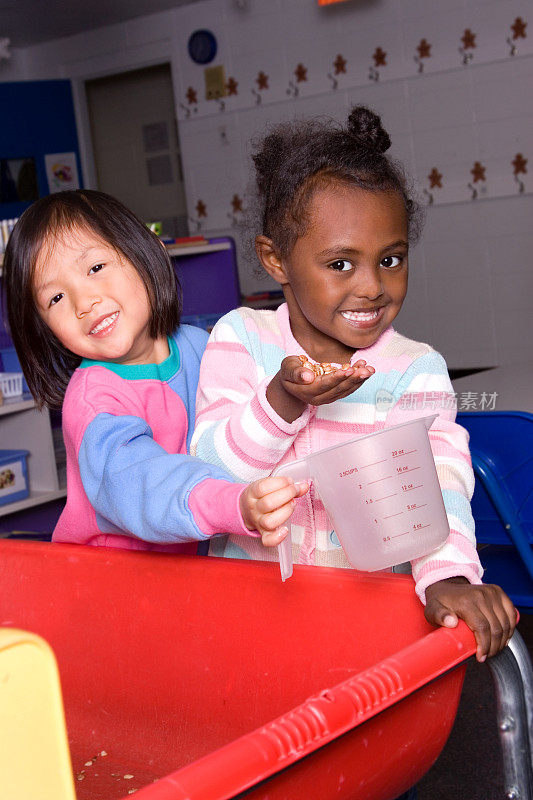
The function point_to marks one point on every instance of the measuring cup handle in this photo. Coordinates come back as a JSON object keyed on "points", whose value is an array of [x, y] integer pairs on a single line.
{"points": [[298, 471]]}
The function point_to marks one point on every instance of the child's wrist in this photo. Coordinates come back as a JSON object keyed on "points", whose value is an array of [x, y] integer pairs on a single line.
{"points": [[285, 404]]}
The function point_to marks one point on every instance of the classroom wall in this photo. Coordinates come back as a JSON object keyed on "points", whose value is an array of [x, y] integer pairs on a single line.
{"points": [[458, 112]]}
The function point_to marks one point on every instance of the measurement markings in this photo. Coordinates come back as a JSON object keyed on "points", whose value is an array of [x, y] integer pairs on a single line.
{"points": [[373, 464], [386, 478], [423, 505], [397, 536], [413, 488], [408, 470], [393, 515], [406, 453], [386, 497]]}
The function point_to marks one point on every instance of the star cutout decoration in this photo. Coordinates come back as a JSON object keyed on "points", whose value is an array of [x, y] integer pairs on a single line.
{"points": [[236, 203], [435, 179], [262, 81], [201, 208], [191, 96], [301, 73], [468, 39], [340, 65], [380, 57], [519, 164], [231, 86], [424, 49], [519, 28], [478, 172]]}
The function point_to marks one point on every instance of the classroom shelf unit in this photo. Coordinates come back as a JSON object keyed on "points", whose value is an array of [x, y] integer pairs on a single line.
{"points": [[23, 426]]}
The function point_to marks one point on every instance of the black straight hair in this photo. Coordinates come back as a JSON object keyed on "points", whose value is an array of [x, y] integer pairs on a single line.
{"points": [[47, 365]]}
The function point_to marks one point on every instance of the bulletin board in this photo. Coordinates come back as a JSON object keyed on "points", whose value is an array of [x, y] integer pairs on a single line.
{"points": [[38, 121]]}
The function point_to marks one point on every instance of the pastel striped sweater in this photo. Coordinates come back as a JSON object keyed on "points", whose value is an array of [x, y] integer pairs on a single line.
{"points": [[237, 429]]}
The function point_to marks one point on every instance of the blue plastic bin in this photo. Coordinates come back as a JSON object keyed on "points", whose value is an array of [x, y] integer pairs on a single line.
{"points": [[13, 476]]}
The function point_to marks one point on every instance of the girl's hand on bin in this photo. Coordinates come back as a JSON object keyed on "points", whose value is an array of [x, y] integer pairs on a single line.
{"points": [[485, 608], [267, 504]]}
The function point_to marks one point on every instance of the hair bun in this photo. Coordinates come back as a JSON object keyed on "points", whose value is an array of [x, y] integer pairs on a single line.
{"points": [[365, 126]]}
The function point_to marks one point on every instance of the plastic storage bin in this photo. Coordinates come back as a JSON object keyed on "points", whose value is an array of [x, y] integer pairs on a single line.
{"points": [[11, 384], [203, 678], [13, 476], [11, 363]]}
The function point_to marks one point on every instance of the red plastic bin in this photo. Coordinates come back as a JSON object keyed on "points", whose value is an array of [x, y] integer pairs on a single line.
{"points": [[194, 674]]}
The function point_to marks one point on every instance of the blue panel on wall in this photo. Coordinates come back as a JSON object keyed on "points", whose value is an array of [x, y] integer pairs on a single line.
{"points": [[38, 118]]}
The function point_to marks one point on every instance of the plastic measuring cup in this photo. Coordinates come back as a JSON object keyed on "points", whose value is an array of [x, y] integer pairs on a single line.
{"points": [[381, 493]]}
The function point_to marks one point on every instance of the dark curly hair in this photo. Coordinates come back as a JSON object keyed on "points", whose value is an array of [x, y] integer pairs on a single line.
{"points": [[47, 365], [296, 158]]}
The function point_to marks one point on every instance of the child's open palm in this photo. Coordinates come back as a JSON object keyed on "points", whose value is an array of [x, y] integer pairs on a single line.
{"points": [[296, 385], [300, 381], [267, 504]]}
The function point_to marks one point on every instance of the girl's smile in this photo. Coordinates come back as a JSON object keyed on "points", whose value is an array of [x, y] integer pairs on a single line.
{"points": [[105, 325], [346, 277], [94, 301]]}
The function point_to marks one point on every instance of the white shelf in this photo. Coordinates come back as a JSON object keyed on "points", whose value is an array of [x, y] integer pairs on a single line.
{"points": [[35, 499], [175, 251], [24, 427], [13, 404]]}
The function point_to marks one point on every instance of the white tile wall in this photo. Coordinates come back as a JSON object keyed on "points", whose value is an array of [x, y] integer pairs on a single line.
{"points": [[470, 282]]}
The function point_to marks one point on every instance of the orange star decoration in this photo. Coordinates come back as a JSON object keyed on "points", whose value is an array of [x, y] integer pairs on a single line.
{"points": [[340, 65], [262, 81], [435, 179], [236, 203], [519, 28], [301, 73], [468, 39], [201, 208], [191, 96], [380, 57], [231, 86], [519, 164], [478, 172], [424, 49]]}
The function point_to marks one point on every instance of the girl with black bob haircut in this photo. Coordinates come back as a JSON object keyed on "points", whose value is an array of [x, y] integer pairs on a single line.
{"points": [[335, 218], [94, 310], [46, 363]]}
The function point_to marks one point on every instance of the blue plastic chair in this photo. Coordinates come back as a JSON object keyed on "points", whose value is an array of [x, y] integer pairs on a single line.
{"points": [[501, 443]]}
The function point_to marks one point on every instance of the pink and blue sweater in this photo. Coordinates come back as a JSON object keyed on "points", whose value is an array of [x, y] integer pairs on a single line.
{"points": [[238, 430], [130, 482]]}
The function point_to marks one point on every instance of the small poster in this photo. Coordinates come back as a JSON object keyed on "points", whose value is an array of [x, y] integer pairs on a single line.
{"points": [[61, 171]]}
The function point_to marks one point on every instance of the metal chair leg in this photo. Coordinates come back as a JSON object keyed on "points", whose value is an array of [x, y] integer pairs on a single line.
{"points": [[513, 682]]}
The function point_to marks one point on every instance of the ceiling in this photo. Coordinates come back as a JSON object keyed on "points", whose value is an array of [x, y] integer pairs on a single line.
{"points": [[28, 22]]}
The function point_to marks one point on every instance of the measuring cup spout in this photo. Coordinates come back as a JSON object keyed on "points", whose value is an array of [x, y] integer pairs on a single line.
{"points": [[430, 420]]}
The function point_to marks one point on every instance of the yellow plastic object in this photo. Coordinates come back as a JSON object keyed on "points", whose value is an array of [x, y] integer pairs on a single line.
{"points": [[34, 754]]}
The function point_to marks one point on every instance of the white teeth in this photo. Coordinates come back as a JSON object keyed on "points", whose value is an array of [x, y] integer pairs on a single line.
{"points": [[105, 323], [360, 316]]}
